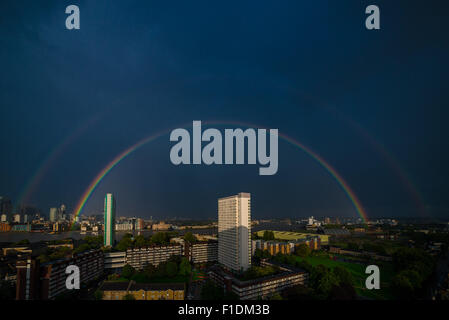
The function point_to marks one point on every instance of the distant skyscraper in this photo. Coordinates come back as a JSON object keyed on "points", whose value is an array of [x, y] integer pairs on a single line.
{"points": [[234, 232], [109, 220], [140, 224], [54, 217], [62, 213], [16, 218], [6, 208]]}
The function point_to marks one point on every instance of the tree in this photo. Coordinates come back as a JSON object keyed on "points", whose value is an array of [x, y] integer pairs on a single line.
{"points": [[304, 265], [140, 241], [129, 297], [160, 238], [343, 291], [413, 267], [315, 275], [376, 248], [353, 246], [343, 275], [276, 296], [22, 242], [161, 270], [184, 267], [326, 283], [266, 254], [98, 295], [128, 271], [94, 241], [81, 248], [211, 292], [125, 243], [7, 290], [113, 277], [150, 270], [176, 259], [172, 269], [402, 287], [258, 253], [413, 259], [189, 237], [303, 250], [141, 277], [414, 278], [268, 235], [322, 280], [298, 292]]}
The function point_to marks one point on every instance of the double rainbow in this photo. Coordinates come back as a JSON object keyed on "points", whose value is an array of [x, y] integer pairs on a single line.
{"points": [[337, 177]]}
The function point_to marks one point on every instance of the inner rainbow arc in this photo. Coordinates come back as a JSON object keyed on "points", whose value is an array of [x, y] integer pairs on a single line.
{"points": [[341, 182]]}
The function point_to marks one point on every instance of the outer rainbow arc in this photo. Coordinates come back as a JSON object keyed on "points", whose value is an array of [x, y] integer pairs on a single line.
{"points": [[342, 183], [106, 170], [45, 165]]}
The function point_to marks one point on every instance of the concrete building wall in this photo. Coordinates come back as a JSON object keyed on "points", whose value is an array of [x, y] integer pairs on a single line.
{"points": [[109, 220], [234, 231]]}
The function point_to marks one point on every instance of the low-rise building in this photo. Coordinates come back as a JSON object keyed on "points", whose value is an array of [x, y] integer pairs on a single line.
{"points": [[113, 290], [372, 255], [161, 226], [140, 224], [53, 276], [114, 260], [260, 288], [275, 247], [46, 281], [124, 227], [21, 227], [5, 227], [138, 258], [21, 249], [201, 251]]}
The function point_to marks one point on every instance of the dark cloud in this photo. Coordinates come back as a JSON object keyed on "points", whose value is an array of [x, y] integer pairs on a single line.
{"points": [[310, 69]]}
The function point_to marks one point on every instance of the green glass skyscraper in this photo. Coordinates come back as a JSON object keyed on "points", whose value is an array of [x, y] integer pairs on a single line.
{"points": [[109, 220]]}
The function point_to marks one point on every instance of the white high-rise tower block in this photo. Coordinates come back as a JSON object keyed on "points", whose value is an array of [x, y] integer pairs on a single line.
{"points": [[234, 232], [109, 220]]}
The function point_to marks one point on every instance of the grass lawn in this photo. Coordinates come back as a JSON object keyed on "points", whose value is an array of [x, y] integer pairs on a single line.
{"points": [[358, 273]]}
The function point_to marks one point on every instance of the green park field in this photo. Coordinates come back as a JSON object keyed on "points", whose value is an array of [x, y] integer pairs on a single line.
{"points": [[358, 273]]}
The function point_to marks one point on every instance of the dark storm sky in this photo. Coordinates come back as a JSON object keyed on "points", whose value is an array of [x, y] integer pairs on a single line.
{"points": [[373, 104]]}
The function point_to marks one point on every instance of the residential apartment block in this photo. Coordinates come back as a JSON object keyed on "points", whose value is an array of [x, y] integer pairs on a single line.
{"points": [[114, 260], [201, 251], [109, 220], [260, 288], [46, 281], [234, 232], [138, 258]]}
